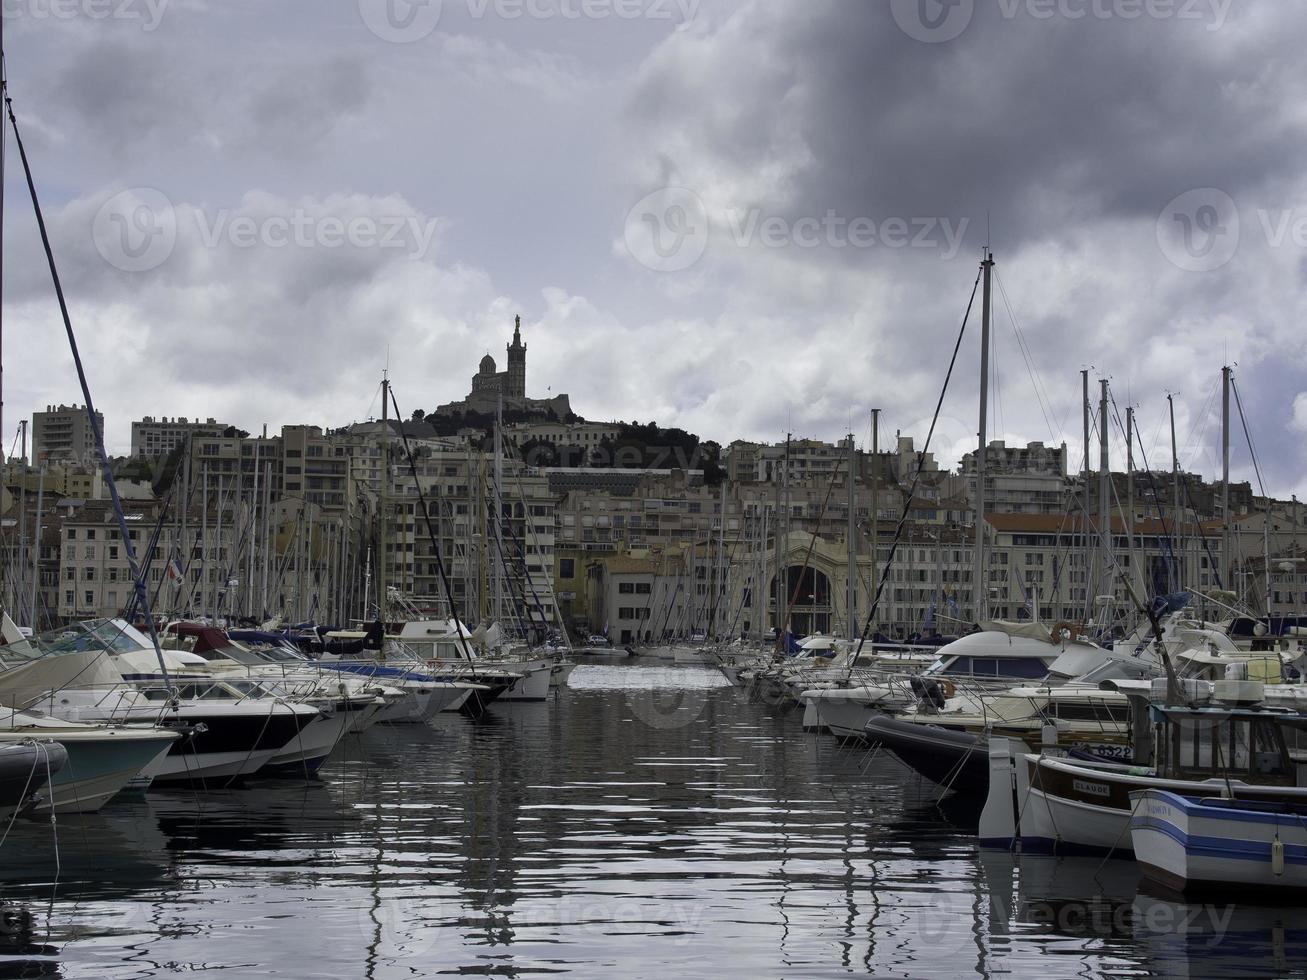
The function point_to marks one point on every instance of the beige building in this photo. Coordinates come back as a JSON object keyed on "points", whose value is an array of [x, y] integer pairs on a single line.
{"points": [[63, 433], [153, 438]]}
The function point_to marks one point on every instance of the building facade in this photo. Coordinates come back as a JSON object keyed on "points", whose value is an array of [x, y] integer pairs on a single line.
{"points": [[63, 433]]}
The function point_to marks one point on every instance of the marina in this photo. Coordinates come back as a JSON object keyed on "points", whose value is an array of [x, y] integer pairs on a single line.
{"points": [[941, 611], [648, 818]]}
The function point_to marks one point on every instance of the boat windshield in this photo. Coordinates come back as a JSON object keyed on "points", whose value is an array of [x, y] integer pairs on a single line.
{"points": [[113, 636]]}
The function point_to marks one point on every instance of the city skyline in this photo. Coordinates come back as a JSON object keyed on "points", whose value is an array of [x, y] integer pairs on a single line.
{"points": [[784, 269]]}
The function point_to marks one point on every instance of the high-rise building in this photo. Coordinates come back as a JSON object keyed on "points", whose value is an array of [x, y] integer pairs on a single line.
{"points": [[159, 437], [63, 432]]}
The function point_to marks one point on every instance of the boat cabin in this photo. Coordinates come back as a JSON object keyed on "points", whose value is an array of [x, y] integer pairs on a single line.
{"points": [[1246, 744]]}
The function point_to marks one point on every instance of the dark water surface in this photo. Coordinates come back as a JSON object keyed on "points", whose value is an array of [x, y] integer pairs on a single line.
{"points": [[645, 823]]}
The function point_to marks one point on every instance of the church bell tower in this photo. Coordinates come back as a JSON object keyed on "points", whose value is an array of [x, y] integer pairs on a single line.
{"points": [[516, 387]]}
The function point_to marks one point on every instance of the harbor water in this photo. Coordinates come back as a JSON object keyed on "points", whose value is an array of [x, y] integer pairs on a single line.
{"points": [[649, 821]]}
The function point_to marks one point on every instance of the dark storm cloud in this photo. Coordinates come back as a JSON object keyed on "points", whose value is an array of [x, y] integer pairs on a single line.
{"points": [[1039, 122], [1071, 125]]}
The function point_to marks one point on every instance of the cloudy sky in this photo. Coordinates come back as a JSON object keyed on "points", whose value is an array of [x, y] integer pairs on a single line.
{"points": [[743, 218]]}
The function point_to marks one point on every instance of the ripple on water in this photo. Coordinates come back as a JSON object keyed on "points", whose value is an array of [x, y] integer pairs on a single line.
{"points": [[649, 821]]}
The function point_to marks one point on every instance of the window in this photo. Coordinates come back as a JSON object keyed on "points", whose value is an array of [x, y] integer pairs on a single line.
{"points": [[628, 588], [567, 568], [90, 598]]}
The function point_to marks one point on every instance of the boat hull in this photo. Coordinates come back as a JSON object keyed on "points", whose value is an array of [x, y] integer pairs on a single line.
{"points": [[233, 746], [954, 760], [1072, 807], [844, 712], [25, 769], [101, 766], [1188, 844]]}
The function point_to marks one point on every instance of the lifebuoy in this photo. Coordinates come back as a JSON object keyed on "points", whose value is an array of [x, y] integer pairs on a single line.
{"points": [[1073, 631]]}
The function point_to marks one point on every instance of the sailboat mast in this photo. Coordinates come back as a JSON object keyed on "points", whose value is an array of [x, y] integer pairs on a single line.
{"points": [[382, 516], [1130, 486], [204, 540], [254, 539], [1226, 562], [980, 586], [874, 538], [36, 548], [851, 549], [1104, 500], [1177, 563], [18, 571], [499, 509]]}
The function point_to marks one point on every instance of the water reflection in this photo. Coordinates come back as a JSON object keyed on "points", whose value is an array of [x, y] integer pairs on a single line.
{"points": [[647, 822]]}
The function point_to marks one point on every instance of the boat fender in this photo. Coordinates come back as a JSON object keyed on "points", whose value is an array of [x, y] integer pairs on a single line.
{"points": [[1277, 856]]}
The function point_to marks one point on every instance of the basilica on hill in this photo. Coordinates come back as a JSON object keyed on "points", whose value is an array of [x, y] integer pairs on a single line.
{"points": [[512, 383], [489, 385]]}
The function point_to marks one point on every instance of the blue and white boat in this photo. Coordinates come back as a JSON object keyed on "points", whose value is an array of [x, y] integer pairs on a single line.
{"points": [[1189, 843]]}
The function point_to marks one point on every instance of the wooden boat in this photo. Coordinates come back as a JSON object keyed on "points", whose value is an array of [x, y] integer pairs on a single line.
{"points": [[1192, 843]]}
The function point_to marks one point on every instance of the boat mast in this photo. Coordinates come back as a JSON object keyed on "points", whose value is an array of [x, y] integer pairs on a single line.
{"points": [[1130, 487], [1226, 557], [851, 548], [204, 540], [980, 586], [21, 564], [875, 503], [254, 537], [1104, 500], [382, 516], [499, 509], [1178, 574], [4, 143], [1084, 483], [268, 539], [36, 547], [723, 567]]}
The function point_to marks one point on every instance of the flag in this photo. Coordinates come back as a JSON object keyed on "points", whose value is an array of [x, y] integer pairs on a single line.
{"points": [[930, 615], [175, 570]]}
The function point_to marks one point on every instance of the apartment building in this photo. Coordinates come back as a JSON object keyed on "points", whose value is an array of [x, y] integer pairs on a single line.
{"points": [[63, 433], [154, 438]]}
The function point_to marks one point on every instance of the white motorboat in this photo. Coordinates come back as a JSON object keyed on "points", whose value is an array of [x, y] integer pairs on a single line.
{"points": [[103, 760]]}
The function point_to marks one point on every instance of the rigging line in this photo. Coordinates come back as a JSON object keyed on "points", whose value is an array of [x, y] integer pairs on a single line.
{"points": [[1203, 418], [4, 169], [431, 533], [1198, 525], [1041, 391], [1252, 451], [997, 386], [132, 563], [1168, 533], [916, 479]]}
